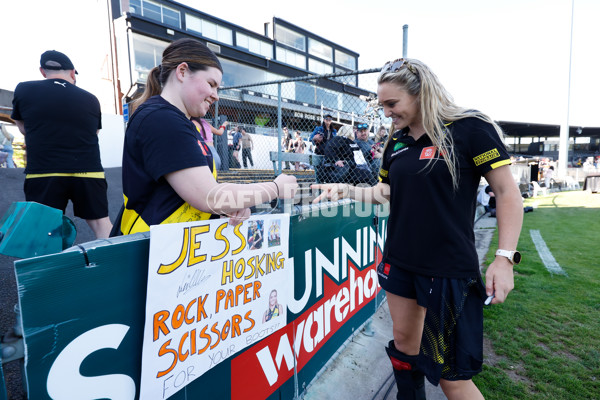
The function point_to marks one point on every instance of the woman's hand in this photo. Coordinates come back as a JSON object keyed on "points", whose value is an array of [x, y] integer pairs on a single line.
{"points": [[339, 163], [499, 279], [331, 191], [287, 186], [239, 216]]}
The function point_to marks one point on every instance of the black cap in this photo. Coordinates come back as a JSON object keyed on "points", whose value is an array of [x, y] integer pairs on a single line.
{"points": [[327, 116], [55, 60]]}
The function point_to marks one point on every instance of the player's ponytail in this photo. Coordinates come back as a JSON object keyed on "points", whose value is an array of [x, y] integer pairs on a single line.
{"points": [[153, 87], [194, 53]]}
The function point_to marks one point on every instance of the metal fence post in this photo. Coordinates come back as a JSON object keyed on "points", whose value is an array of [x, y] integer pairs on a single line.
{"points": [[216, 117], [220, 142], [279, 127]]}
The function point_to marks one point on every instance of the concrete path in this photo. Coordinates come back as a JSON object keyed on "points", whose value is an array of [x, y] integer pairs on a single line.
{"points": [[362, 371]]}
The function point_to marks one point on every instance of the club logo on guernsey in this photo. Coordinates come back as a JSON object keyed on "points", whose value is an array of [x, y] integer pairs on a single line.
{"points": [[399, 145], [427, 153], [383, 270]]}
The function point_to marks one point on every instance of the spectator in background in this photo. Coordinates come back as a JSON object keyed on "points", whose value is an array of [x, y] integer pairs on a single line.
{"points": [[371, 152], [487, 199], [286, 139], [297, 146], [247, 147], [380, 138], [60, 123], [6, 141], [234, 148], [322, 134], [549, 176], [207, 131], [381, 135], [345, 162]]}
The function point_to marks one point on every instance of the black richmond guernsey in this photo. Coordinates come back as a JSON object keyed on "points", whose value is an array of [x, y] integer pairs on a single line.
{"points": [[430, 227]]}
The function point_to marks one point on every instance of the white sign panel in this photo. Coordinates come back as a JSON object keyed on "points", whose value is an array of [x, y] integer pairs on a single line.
{"points": [[211, 287]]}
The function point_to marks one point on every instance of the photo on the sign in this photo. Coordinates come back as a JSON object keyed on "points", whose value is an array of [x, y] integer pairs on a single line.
{"points": [[255, 234], [274, 309], [274, 233]]}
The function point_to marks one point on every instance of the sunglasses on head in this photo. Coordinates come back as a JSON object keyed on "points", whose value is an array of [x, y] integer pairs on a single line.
{"points": [[397, 65], [362, 126]]}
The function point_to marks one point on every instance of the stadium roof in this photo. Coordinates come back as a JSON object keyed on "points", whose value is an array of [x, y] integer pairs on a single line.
{"points": [[521, 129]]}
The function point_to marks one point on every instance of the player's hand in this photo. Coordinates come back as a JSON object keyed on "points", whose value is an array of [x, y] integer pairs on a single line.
{"points": [[499, 279], [331, 191]]}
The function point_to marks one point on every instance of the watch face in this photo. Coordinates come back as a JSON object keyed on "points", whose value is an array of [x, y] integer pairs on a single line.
{"points": [[517, 257]]}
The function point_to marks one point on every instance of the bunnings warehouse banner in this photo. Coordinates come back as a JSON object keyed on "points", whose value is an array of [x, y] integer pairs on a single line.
{"points": [[84, 312]]}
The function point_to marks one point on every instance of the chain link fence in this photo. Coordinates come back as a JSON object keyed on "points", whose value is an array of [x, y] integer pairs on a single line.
{"points": [[284, 127]]}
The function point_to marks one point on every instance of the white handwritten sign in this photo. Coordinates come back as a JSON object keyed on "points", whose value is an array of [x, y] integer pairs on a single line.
{"points": [[213, 290]]}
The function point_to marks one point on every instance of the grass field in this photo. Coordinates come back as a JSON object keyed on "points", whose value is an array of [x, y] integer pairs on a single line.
{"points": [[544, 342]]}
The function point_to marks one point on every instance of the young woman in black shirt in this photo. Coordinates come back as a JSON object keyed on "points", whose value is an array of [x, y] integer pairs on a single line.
{"points": [[431, 169]]}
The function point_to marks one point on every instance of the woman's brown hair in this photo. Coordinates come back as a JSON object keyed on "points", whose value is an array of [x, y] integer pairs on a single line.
{"points": [[193, 52]]}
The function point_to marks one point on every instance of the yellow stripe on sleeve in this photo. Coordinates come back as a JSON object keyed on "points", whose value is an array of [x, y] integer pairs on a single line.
{"points": [[500, 163]]}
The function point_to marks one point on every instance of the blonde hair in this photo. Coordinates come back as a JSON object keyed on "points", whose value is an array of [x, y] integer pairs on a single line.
{"points": [[437, 108], [346, 131]]}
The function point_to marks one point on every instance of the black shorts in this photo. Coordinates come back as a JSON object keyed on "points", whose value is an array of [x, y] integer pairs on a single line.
{"points": [[404, 283], [88, 195], [452, 342]]}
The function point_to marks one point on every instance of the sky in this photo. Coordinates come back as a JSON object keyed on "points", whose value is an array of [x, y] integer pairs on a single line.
{"points": [[507, 58]]}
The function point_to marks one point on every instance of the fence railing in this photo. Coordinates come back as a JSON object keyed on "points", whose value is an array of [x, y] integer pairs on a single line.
{"points": [[272, 125]]}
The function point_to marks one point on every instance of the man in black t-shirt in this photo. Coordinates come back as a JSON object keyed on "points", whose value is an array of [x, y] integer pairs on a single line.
{"points": [[60, 123]]}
